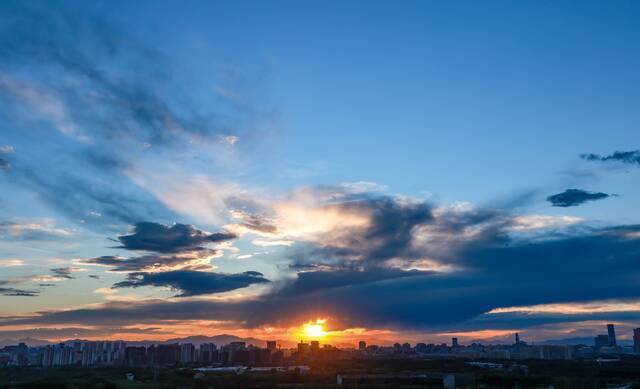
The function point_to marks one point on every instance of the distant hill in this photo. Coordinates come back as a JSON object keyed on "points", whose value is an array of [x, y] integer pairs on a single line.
{"points": [[31, 342]]}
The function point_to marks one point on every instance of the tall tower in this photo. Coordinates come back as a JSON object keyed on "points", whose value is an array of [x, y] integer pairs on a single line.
{"points": [[517, 339], [636, 340], [612, 334]]}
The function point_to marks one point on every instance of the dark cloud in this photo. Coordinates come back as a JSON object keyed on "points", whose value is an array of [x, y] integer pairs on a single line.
{"points": [[489, 274], [149, 236], [4, 164], [631, 157], [388, 235], [573, 197], [63, 272], [13, 292], [152, 261], [192, 283]]}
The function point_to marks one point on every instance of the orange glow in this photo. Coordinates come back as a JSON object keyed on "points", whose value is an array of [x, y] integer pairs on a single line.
{"points": [[314, 330]]}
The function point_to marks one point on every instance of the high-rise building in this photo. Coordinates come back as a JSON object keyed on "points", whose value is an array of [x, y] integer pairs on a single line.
{"points": [[303, 348], [362, 345], [601, 341], [636, 340], [315, 346], [454, 342], [517, 339], [272, 345], [406, 348], [612, 334]]}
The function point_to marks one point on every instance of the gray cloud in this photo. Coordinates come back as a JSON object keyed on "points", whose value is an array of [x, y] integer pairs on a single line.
{"points": [[522, 272], [13, 292], [192, 283], [63, 272], [4, 164], [152, 261], [573, 197], [630, 157], [149, 236]]}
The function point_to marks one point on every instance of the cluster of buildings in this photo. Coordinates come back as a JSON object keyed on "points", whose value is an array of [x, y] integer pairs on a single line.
{"points": [[604, 345], [118, 353]]}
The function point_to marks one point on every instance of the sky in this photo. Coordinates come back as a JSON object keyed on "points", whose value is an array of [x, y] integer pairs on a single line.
{"points": [[393, 171]]}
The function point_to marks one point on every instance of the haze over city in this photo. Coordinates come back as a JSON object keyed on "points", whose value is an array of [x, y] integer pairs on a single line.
{"points": [[320, 171]]}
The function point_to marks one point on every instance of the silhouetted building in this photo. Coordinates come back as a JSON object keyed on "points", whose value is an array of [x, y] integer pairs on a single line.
{"points": [[612, 335], [601, 341], [421, 348], [406, 348], [272, 345], [303, 348], [167, 354], [187, 353], [362, 345], [517, 339], [208, 353], [315, 347], [454, 342], [636, 340]]}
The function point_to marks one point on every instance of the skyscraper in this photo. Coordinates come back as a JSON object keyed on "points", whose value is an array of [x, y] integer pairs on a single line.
{"points": [[517, 339], [454, 342], [636, 340], [612, 334], [271, 345], [362, 345]]}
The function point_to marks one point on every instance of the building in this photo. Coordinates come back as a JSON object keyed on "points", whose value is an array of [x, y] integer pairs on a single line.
{"points": [[315, 347], [406, 348], [601, 341], [454, 342], [517, 339], [612, 335], [208, 353], [187, 353], [303, 348], [272, 345], [362, 345], [636, 340]]}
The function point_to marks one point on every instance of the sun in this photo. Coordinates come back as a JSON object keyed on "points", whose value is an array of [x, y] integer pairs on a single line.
{"points": [[314, 329]]}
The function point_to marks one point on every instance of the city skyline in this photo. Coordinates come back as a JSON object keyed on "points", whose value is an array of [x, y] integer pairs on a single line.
{"points": [[336, 172]]}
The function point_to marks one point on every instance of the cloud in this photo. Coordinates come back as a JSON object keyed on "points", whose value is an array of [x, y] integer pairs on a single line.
{"points": [[11, 262], [34, 230], [192, 283], [149, 236], [540, 222], [491, 274], [13, 292], [108, 104], [199, 259], [573, 197], [630, 157]]}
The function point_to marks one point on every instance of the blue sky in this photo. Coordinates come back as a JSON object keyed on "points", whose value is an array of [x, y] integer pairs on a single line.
{"points": [[346, 147]]}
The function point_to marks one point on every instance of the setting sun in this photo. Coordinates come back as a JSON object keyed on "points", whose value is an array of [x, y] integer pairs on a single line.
{"points": [[314, 329]]}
